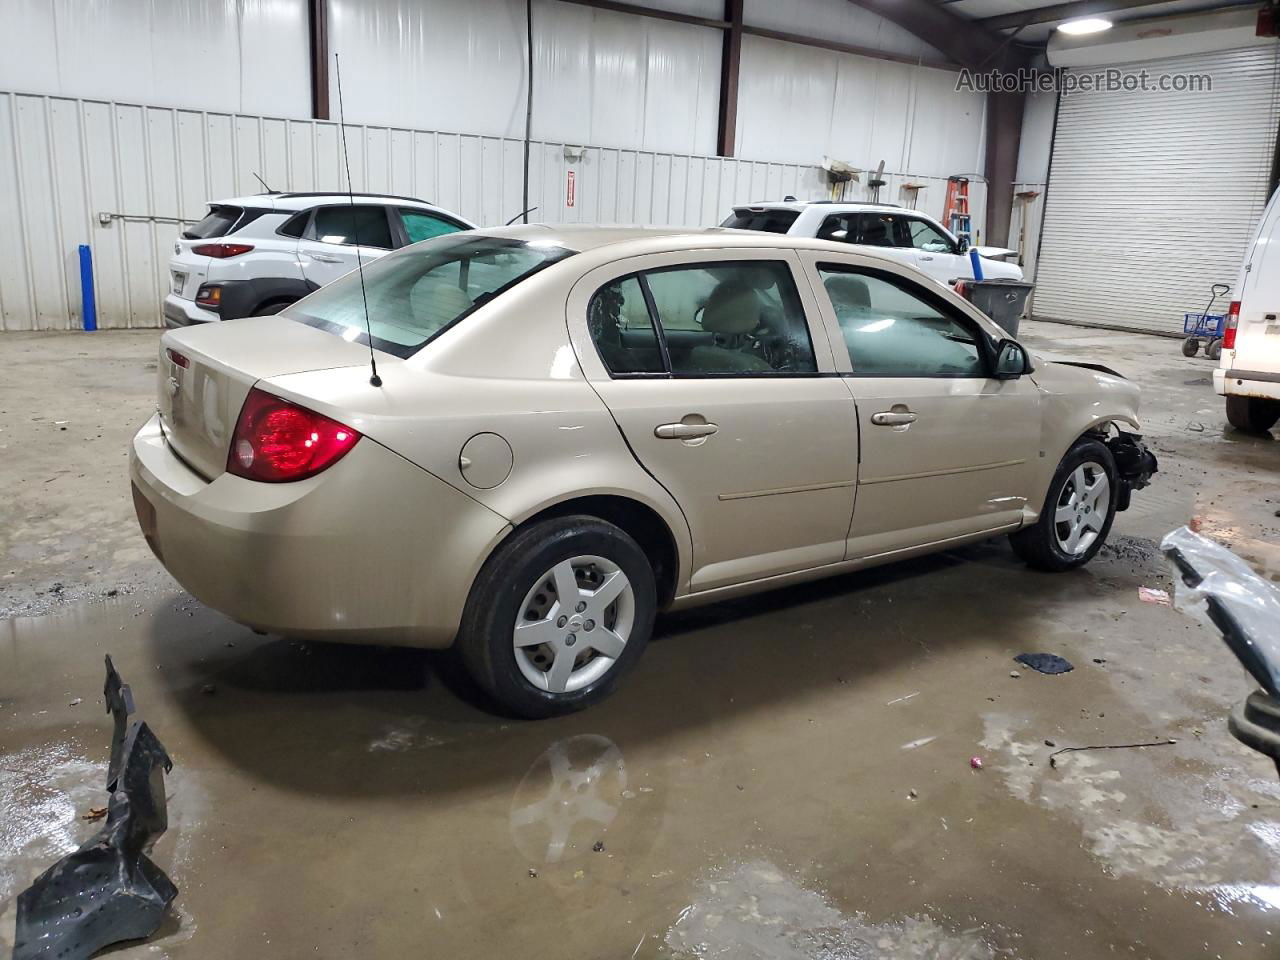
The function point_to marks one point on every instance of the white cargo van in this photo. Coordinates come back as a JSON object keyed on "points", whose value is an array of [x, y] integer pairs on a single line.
{"points": [[1248, 373]]}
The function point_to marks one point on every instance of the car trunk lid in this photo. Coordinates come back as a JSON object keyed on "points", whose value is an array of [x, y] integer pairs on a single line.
{"points": [[206, 372]]}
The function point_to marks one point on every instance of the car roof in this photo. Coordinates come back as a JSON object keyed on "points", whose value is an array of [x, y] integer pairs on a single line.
{"points": [[289, 202], [629, 241], [829, 206]]}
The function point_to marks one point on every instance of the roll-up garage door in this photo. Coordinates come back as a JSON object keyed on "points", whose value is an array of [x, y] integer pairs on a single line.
{"points": [[1153, 195]]}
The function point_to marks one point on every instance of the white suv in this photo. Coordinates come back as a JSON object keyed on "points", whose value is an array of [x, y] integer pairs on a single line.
{"points": [[900, 234], [1248, 373], [253, 256]]}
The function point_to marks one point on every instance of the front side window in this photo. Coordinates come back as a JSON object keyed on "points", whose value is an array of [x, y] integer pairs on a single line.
{"points": [[877, 230], [420, 225], [925, 236], [365, 226], [894, 328], [417, 293]]}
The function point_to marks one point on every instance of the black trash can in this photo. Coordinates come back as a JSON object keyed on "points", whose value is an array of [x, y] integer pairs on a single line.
{"points": [[1001, 300]]}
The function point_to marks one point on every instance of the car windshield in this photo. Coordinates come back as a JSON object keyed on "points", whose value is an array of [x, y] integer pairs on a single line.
{"points": [[419, 292]]}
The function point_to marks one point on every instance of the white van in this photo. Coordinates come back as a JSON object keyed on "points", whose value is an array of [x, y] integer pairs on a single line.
{"points": [[1248, 373]]}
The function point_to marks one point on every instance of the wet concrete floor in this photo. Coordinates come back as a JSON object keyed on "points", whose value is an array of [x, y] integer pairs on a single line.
{"points": [[782, 776]]}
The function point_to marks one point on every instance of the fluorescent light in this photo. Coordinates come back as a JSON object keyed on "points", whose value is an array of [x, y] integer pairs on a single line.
{"points": [[1078, 28]]}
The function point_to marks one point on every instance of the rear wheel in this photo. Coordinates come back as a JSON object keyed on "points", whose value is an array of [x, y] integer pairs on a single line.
{"points": [[557, 615], [1252, 414], [1214, 350], [1077, 513]]}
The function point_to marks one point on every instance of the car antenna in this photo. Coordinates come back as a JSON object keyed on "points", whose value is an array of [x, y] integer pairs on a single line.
{"points": [[519, 215], [374, 379], [263, 182]]}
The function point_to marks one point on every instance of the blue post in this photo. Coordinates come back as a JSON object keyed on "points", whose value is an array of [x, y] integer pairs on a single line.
{"points": [[973, 259], [89, 306]]}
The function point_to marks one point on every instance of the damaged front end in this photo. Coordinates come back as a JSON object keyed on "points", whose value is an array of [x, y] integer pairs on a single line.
{"points": [[1135, 465]]}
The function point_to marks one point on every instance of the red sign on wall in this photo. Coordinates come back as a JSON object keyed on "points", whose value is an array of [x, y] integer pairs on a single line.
{"points": [[569, 189]]}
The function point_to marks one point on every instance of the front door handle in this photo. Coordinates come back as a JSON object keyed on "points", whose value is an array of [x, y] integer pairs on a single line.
{"points": [[893, 418], [926, 258], [684, 431], [324, 258]]}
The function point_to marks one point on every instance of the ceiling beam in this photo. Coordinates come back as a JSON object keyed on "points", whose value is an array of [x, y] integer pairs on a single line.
{"points": [[1062, 11], [840, 47], [967, 42], [656, 14]]}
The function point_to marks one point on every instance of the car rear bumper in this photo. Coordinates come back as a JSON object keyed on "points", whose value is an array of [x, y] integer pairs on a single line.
{"points": [[179, 312], [1246, 383], [373, 550]]}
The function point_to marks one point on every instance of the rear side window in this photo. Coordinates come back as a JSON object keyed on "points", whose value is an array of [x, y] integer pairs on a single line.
{"points": [[623, 330], [769, 221], [366, 226], [216, 223], [734, 318], [420, 225], [893, 328], [296, 225]]}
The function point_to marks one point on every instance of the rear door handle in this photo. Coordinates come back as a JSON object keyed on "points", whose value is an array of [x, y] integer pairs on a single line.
{"points": [[684, 431], [892, 418], [324, 258]]}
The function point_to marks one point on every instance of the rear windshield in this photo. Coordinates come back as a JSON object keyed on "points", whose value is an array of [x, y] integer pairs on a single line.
{"points": [[422, 290], [770, 221], [217, 223]]}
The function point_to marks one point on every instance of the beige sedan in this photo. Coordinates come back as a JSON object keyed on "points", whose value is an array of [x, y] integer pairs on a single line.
{"points": [[573, 428]]}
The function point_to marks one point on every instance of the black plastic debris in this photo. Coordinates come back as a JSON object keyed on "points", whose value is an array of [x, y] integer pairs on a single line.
{"points": [[1049, 663], [108, 890]]}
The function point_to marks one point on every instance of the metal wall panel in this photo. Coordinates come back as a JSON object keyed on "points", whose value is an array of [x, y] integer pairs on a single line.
{"points": [[235, 55], [1153, 197], [799, 104], [63, 161], [599, 76]]}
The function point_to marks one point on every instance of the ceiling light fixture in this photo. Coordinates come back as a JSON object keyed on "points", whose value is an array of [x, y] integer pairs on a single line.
{"points": [[1085, 25]]}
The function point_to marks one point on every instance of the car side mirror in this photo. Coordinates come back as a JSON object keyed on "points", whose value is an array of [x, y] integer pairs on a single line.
{"points": [[963, 245], [1011, 360]]}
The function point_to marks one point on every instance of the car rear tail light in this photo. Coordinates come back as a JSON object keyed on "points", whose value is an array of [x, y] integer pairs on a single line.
{"points": [[1229, 328], [221, 250], [276, 441], [209, 295], [177, 358]]}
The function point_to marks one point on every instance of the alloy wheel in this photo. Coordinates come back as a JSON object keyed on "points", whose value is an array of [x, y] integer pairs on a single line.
{"points": [[574, 624], [1081, 512]]}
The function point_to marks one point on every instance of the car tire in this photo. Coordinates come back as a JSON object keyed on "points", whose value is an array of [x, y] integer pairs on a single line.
{"points": [[1190, 347], [1252, 414], [1214, 350], [555, 668], [1048, 543]]}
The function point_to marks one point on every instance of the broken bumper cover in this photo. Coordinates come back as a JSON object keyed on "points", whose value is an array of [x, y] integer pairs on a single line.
{"points": [[1134, 463], [372, 550]]}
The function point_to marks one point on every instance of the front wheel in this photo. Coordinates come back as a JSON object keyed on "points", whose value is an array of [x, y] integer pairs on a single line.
{"points": [[1077, 513], [557, 615], [1252, 414], [1190, 347]]}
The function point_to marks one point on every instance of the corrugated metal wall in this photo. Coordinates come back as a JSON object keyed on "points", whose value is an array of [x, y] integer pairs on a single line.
{"points": [[65, 161], [1153, 196]]}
